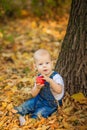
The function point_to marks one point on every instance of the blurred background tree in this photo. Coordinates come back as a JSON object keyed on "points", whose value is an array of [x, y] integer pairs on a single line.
{"points": [[40, 8]]}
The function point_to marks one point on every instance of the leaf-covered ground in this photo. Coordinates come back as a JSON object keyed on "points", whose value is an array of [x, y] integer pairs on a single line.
{"points": [[19, 39]]}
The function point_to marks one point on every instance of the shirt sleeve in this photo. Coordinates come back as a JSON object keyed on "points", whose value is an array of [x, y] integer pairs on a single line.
{"points": [[58, 79]]}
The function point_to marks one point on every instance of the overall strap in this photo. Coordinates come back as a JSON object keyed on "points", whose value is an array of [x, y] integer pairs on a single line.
{"points": [[46, 94], [53, 74]]}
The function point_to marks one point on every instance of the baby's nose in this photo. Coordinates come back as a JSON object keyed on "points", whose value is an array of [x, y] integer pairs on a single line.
{"points": [[44, 65]]}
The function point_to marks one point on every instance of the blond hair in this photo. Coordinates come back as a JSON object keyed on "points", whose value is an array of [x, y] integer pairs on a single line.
{"points": [[41, 52]]}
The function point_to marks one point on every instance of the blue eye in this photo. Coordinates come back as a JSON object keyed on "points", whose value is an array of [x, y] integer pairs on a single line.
{"points": [[40, 64], [47, 62]]}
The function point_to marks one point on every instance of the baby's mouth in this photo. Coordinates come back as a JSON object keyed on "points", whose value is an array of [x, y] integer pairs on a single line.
{"points": [[45, 70]]}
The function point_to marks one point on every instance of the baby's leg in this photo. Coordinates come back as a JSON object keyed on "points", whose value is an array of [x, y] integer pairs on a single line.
{"points": [[25, 108], [43, 111]]}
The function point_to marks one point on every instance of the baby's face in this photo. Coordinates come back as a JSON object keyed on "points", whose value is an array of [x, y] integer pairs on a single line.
{"points": [[44, 65]]}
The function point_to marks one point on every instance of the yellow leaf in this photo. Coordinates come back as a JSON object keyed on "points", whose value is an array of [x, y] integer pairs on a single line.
{"points": [[14, 88], [68, 110], [4, 104], [7, 87], [10, 106], [1, 35], [24, 13], [52, 121], [78, 96], [39, 128], [66, 125], [72, 118], [1, 78], [1, 123], [81, 127], [33, 24], [45, 127], [24, 79]]}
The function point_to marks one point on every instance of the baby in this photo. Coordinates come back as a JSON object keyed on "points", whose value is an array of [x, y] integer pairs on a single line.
{"points": [[46, 96]]}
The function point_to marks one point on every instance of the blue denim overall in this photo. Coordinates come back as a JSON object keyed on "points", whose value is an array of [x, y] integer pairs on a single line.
{"points": [[44, 104]]}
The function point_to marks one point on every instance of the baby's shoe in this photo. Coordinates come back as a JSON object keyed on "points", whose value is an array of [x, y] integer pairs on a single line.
{"points": [[22, 120]]}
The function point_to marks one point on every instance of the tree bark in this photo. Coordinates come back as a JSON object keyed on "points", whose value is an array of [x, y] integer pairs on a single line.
{"points": [[72, 60]]}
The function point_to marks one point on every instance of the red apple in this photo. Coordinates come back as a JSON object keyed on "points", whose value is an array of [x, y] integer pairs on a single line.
{"points": [[40, 80]]}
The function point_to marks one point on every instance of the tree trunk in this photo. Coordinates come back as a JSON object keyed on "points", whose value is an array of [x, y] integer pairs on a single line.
{"points": [[72, 60]]}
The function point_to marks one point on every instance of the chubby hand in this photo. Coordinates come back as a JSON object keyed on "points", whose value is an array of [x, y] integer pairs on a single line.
{"points": [[39, 86], [40, 82], [40, 79], [47, 78]]}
